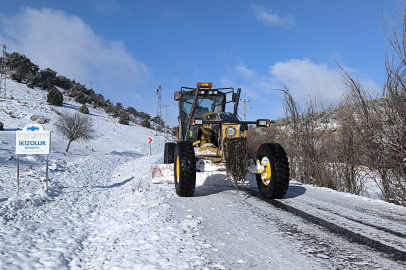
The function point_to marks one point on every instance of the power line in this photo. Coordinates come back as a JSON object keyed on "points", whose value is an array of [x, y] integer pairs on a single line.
{"points": [[245, 108]]}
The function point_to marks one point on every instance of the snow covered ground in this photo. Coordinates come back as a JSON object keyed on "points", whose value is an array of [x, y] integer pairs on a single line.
{"points": [[103, 212]]}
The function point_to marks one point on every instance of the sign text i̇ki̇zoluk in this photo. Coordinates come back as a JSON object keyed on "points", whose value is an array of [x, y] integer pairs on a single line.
{"points": [[33, 139]]}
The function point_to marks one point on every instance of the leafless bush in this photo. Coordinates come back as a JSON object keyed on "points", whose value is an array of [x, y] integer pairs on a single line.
{"points": [[306, 144], [255, 138], [394, 116], [345, 154], [319, 155], [137, 185], [380, 141], [379, 130], [372, 132], [75, 127]]}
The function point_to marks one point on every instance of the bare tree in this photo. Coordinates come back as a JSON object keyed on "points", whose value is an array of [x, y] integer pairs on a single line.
{"points": [[371, 138], [348, 151], [380, 128], [307, 143], [75, 127]]}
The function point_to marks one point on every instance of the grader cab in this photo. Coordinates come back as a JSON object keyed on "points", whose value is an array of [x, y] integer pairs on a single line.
{"points": [[207, 134]]}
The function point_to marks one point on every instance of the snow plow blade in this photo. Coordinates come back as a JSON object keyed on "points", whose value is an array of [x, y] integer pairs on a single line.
{"points": [[163, 173]]}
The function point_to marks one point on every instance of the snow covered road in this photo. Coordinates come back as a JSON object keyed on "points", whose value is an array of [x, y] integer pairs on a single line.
{"points": [[311, 228]]}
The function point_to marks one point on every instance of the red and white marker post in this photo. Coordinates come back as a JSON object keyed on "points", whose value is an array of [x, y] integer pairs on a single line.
{"points": [[150, 140]]}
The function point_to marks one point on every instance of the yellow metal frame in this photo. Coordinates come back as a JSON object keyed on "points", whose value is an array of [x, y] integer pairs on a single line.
{"points": [[237, 129], [178, 134], [177, 168]]}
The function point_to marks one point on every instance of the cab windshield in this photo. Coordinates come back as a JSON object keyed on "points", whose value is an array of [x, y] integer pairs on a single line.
{"points": [[204, 103]]}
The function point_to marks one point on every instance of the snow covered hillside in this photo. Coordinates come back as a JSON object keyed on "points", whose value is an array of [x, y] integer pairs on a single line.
{"points": [[103, 212], [100, 201]]}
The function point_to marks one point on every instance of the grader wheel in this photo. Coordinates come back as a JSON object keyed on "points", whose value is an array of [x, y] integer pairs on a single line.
{"points": [[169, 153], [185, 169], [274, 181]]}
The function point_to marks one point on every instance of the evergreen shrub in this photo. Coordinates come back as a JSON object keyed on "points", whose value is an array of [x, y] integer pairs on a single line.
{"points": [[84, 109], [54, 97]]}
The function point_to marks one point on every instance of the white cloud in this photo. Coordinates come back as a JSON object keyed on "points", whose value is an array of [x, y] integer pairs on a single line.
{"points": [[109, 6], [249, 87], [65, 43], [302, 77], [305, 78], [270, 18], [136, 96], [245, 72], [191, 66], [226, 82]]}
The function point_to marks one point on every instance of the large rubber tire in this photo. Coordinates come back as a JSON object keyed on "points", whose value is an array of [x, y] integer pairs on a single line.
{"points": [[275, 186], [185, 169], [169, 153]]}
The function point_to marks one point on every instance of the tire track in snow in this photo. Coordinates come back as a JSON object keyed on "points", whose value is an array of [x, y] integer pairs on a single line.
{"points": [[381, 228], [354, 237]]}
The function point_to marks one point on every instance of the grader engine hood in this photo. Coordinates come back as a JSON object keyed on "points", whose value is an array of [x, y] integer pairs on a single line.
{"points": [[212, 126]]}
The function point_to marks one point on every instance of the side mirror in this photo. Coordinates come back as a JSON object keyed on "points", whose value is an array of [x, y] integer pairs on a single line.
{"points": [[178, 95]]}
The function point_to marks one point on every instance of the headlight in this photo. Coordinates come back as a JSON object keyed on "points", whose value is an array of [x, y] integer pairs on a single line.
{"points": [[263, 123], [197, 121]]}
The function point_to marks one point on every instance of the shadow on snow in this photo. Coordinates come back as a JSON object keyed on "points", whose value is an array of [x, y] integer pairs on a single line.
{"points": [[202, 191], [11, 129], [115, 184], [295, 190], [56, 191], [126, 153], [213, 184], [70, 106]]}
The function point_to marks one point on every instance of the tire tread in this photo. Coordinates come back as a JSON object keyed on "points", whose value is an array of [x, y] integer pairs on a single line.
{"points": [[169, 153], [282, 172], [187, 178]]}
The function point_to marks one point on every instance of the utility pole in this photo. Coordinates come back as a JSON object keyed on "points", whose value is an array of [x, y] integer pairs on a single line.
{"points": [[245, 108], [3, 73], [91, 85], [166, 118], [158, 93]]}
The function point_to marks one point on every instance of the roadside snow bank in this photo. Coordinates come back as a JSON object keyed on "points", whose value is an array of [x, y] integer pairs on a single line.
{"points": [[37, 198], [136, 229]]}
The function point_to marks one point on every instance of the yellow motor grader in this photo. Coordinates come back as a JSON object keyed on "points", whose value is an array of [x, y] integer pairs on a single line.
{"points": [[209, 134]]}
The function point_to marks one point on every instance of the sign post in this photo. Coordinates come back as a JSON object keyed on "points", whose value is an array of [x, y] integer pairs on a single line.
{"points": [[46, 177], [18, 172], [33, 139], [150, 140]]}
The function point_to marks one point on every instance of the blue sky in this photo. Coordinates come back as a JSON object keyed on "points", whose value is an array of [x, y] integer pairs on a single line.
{"points": [[127, 48]]}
